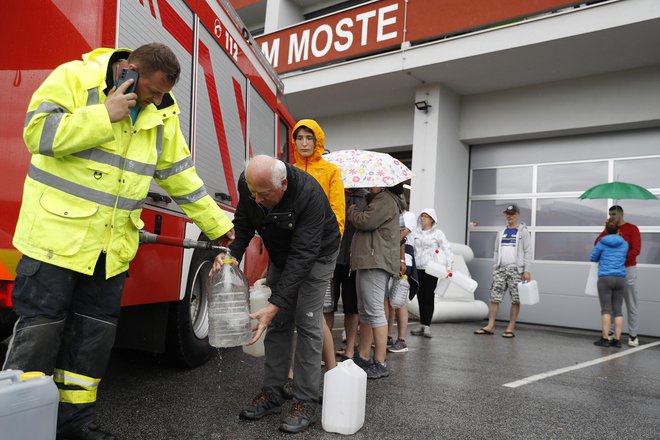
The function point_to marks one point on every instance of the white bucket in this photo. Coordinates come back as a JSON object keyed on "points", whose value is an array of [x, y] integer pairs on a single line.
{"points": [[344, 398], [528, 293], [259, 294], [28, 405], [464, 282]]}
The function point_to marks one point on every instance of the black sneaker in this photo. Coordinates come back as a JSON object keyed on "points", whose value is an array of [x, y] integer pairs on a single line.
{"points": [[261, 406], [89, 432], [602, 342], [301, 416], [390, 341], [616, 343], [377, 370], [362, 363]]}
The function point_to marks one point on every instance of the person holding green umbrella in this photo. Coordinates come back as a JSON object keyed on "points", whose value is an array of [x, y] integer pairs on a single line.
{"points": [[618, 190], [631, 235]]}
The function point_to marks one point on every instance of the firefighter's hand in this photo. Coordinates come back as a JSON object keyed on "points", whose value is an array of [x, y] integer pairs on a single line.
{"points": [[263, 317], [118, 103], [219, 261], [226, 239]]}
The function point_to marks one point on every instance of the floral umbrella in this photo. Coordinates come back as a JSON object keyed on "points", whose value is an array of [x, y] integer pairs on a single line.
{"points": [[617, 191], [366, 169]]}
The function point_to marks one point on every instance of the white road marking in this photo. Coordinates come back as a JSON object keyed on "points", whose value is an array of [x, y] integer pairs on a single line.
{"points": [[537, 377]]}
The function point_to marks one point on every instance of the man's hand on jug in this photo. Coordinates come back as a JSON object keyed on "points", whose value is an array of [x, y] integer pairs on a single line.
{"points": [[221, 259], [263, 317]]}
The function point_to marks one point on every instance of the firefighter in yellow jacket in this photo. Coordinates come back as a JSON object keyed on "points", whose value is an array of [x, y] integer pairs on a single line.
{"points": [[95, 149]]}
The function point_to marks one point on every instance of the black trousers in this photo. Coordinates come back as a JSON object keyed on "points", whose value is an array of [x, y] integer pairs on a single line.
{"points": [[66, 328], [343, 283], [426, 296]]}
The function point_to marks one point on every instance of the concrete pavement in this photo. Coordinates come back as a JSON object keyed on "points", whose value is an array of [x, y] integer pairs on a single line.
{"points": [[448, 387]]}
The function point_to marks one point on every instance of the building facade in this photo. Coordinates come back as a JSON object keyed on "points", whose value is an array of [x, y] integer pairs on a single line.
{"points": [[492, 102]]}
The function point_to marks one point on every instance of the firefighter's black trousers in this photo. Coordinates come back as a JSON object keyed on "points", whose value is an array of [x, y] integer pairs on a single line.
{"points": [[66, 327]]}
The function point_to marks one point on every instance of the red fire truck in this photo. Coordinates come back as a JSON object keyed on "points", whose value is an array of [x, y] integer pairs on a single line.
{"points": [[231, 109]]}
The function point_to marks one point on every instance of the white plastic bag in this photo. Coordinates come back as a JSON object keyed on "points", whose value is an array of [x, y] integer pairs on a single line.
{"points": [[528, 293], [591, 288]]}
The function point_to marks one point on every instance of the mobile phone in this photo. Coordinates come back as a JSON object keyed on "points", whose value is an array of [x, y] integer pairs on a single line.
{"points": [[125, 75]]}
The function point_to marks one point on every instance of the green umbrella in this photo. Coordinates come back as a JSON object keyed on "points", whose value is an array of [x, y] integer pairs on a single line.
{"points": [[617, 191]]}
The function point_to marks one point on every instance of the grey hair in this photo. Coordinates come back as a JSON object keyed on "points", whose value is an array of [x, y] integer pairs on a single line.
{"points": [[277, 168], [278, 173]]}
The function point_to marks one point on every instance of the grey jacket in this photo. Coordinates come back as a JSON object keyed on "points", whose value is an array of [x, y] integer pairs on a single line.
{"points": [[375, 244], [523, 249]]}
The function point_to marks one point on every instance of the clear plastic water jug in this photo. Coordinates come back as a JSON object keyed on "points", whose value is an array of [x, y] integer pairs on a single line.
{"points": [[344, 398], [28, 405], [400, 291], [259, 294], [229, 308]]}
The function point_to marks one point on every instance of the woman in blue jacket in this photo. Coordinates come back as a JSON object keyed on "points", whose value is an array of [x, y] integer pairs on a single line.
{"points": [[610, 253]]}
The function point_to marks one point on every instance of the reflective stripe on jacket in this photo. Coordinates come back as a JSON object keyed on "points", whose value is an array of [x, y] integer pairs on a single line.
{"points": [[88, 177]]}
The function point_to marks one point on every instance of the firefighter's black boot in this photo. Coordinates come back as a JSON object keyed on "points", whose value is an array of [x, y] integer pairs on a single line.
{"points": [[89, 432]]}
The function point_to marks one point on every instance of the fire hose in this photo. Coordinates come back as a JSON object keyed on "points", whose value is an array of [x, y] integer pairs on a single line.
{"points": [[187, 243]]}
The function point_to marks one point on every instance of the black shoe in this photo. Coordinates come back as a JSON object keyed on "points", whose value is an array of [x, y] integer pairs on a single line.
{"points": [[377, 370], [261, 406], [602, 342], [616, 343], [89, 432], [301, 416], [362, 363]]}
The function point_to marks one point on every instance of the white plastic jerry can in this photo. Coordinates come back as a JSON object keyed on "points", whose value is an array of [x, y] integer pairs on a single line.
{"points": [[28, 405], [436, 269], [344, 398], [259, 294], [463, 281], [528, 292]]}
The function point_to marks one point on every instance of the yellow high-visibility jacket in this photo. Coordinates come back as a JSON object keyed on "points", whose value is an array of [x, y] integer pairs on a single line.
{"points": [[88, 178]]}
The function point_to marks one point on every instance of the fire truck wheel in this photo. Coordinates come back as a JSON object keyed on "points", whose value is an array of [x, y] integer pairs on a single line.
{"points": [[188, 323]]}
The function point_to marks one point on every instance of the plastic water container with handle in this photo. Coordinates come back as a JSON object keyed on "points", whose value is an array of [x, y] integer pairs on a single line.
{"points": [[436, 269], [229, 308], [464, 282], [28, 405], [528, 292], [344, 398], [259, 294]]}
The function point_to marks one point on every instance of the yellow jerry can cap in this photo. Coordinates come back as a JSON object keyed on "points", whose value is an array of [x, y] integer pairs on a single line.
{"points": [[30, 375]]}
